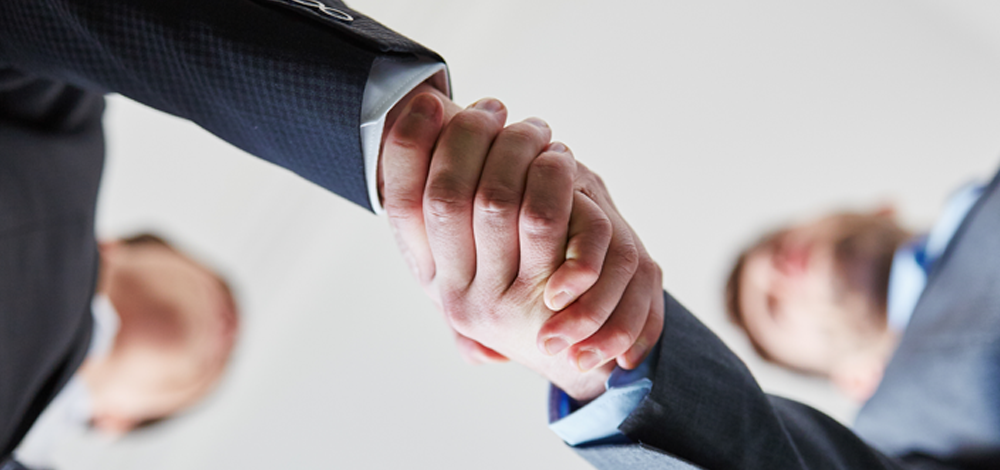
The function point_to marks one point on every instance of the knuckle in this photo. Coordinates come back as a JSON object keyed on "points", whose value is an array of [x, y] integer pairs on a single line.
{"points": [[646, 269], [553, 165], [590, 271], [591, 321], [446, 199], [398, 142], [455, 312], [628, 255], [541, 218], [522, 135], [399, 207], [473, 122], [619, 339], [601, 229], [497, 199]]}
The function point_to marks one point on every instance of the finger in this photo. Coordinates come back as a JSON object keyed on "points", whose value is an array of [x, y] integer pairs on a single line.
{"points": [[650, 332], [589, 313], [475, 353], [451, 186], [544, 218], [406, 158], [498, 200], [589, 239], [622, 328]]}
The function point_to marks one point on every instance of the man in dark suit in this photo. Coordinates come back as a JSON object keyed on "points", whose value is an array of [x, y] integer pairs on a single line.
{"points": [[164, 329], [304, 84], [695, 405]]}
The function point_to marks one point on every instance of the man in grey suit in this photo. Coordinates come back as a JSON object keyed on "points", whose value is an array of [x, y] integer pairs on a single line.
{"points": [[857, 299], [694, 404]]}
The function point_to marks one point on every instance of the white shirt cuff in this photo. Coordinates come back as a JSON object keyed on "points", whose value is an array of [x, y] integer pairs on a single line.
{"points": [[389, 81]]}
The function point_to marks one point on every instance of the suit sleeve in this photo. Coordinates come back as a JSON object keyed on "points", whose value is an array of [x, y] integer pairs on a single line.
{"points": [[280, 79], [51, 156], [706, 411]]}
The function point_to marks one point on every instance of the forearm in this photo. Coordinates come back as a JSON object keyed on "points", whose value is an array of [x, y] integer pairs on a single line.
{"points": [[706, 408], [271, 80]]}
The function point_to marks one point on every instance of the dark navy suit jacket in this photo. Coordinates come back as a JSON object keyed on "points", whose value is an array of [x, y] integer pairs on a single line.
{"points": [[283, 80]]}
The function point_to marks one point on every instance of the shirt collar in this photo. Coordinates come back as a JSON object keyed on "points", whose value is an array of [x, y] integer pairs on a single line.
{"points": [[914, 260]]}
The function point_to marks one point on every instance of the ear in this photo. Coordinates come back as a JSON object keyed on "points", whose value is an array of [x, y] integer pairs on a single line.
{"points": [[113, 426], [858, 379], [886, 210]]}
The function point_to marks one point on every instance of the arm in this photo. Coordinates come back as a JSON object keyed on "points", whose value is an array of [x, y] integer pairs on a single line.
{"points": [[704, 410], [51, 154], [487, 229], [275, 78], [284, 80]]}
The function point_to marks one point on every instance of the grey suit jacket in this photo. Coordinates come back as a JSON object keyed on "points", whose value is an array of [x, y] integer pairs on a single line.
{"points": [[938, 406]]}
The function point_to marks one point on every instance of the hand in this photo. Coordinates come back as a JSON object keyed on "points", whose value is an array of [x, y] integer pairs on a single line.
{"points": [[621, 316], [405, 216], [489, 292]]}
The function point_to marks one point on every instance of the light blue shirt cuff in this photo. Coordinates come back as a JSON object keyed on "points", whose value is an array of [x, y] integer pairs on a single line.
{"points": [[599, 419]]}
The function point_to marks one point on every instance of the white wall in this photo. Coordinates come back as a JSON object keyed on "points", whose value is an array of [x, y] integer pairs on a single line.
{"points": [[709, 121]]}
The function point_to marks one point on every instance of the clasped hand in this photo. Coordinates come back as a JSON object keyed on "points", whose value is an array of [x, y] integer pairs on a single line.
{"points": [[518, 244]]}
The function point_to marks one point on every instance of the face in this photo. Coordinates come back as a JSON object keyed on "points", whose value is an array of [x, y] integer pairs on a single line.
{"points": [[810, 293], [177, 329]]}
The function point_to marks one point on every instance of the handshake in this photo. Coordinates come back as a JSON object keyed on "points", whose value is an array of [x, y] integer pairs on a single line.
{"points": [[518, 244]]}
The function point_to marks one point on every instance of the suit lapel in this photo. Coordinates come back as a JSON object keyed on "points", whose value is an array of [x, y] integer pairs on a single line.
{"points": [[938, 395]]}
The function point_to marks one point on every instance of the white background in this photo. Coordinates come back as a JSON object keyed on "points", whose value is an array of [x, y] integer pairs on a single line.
{"points": [[710, 122]]}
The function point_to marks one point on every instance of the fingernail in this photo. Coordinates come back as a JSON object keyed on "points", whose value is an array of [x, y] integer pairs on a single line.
{"points": [[489, 104], [422, 107], [555, 345], [588, 360], [557, 147], [561, 300], [537, 122]]}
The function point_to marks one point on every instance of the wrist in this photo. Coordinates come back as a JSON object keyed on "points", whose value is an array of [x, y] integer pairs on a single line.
{"points": [[583, 387]]}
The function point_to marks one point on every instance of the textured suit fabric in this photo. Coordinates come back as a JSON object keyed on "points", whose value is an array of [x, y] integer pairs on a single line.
{"points": [[949, 355], [271, 77], [632, 456], [51, 154], [280, 79], [937, 407]]}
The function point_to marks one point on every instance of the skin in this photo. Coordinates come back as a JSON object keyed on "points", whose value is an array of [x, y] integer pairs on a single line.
{"points": [[573, 254], [177, 329], [487, 216], [796, 305]]}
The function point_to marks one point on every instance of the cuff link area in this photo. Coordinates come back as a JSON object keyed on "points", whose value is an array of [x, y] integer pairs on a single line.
{"points": [[326, 10]]}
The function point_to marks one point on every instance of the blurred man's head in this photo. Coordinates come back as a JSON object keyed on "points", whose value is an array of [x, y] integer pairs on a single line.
{"points": [[812, 297], [178, 325]]}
